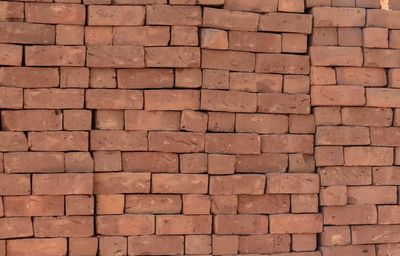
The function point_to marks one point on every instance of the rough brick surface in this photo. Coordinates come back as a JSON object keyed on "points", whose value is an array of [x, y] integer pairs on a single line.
{"points": [[199, 127]]}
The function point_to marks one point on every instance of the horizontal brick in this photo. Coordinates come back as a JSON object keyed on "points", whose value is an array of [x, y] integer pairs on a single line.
{"points": [[38, 247], [375, 234], [228, 60], [15, 185], [383, 19], [382, 58], [336, 56], [176, 142], [121, 182], [296, 223], [287, 143], [386, 175], [173, 15], [335, 235], [53, 55], [339, 17], [228, 101], [238, 143], [33, 162], [179, 57], [14, 11], [31, 120], [11, 98], [349, 250], [34, 206], [264, 244], [281, 103], [261, 123], [65, 226], [264, 204], [172, 100], [55, 13], [125, 225], [367, 116], [156, 245], [282, 63], [152, 120], [229, 20], [345, 176], [10, 54], [252, 6], [252, 42], [145, 78], [361, 76], [58, 141], [114, 99], [106, 56], [365, 156], [388, 214], [339, 95], [237, 184], [62, 184], [15, 227], [25, 33], [252, 82], [332, 135], [103, 15], [242, 224], [385, 136], [262, 163], [380, 97], [153, 204], [29, 77], [13, 141], [118, 140], [149, 162], [286, 22], [180, 183], [141, 36], [293, 183], [350, 214], [53, 98], [371, 195], [387, 248], [183, 224]]}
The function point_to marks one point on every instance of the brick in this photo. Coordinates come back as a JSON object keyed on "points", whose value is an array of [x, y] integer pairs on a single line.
{"points": [[13, 141], [350, 36], [339, 17], [33, 205], [100, 35], [331, 135], [215, 79], [372, 195], [301, 124], [296, 223], [294, 43], [77, 120], [252, 5], [333, 195], [74, 77], [145, 78], [238, 143], [368, 250], [33, 162], [125, 225], [112, 183], [304, 242], [387, 249], [110, 204], [114, 99], [252, 42], [78, 162], [280, 103], [176, 142], [304, 203], [385, 136], [345, 176], [386, 175], [322, 75], [42, 247], [329, 155], [10, 55], [251, 82], [149, 162], [179, 183], [383, 19], [188, 77], [335, 235], [107, 161], [29, 77], [394, 78], [261, 123], [55, 55], [228, 60], [301, 163], [380, 97], [173, 15], [65, 226], [394, 41], [153, 204], [196, 204], [327, 115], [388, 214], [264, 244], [221, 122], [350, 214], [228, 101], [193, 121], [106, 56], [292, 183], [58, 141], [151, 120], [376, 37], [214, 39], [99, 15], [54, 13], [13, 12], [336, 56], [225, 244], [376, 116], [296, 84], [155, 245], [230, 20], [278, 63], [240, 224], [324, 36], [62, 184], [361, 76], [224, 204], [375, 234], [16, 227], [179, 57], [83, 246], [287, 143], [286, 22], [31, 120], [221, 164], [264, 204], [198, 244], [69, 35], [109, 119], [339, 95], [25, 33], [237, 184], [53, 98], [79, 205], [172, 100], [385, 58], [184, 35], [363, 156], [183, 224], [368, 3], [193, 163], [102, 78], [109, 245], [291, 6]]}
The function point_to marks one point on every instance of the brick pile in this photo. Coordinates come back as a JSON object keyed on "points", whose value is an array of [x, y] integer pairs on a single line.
{"points": [[184, 127]]}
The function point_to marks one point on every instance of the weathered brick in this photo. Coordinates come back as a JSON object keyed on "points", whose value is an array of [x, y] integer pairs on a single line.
{"points": [[62, 184], [374, 234], [282, 63], [99, 35], [339, 17], [121, 182], [336, 56], [118, 140], [376, 116], [262, 163], [372, 195], [55, 55], [386, 175], [388, 214], [173, 15], [184, 35], [361, 76], [15, 184], [264, 204], [103, 15], [331, 135], [287, 143], [253, 42], [14, 11], [149, 162], [114, 99], [350, 214], [380, 97], [141, 36], [153, 204], [39, 247], [382, 58], [281, 103], [55, 13], [145, 78], [33, 162], [343, 175], [328, 155], [125, 225], [286, 22], [335, 235], [180, 183], [368, 250], [240, 224], [69, 35], [172, 100], [299, 183], [228, 60], [228, 101], [152, 120], [304, 203], [29, 77], [107, 56], [383, 19], [65, 226], [238, 143], [339, 95], [261, 123], [31, 120], [25, 33], [183, 224], [333, 195], [110, 203], [109, 245], [156, 245], [58, 141], [180, 57], [237, 184], [177, 142], [230, 20], [102, 78], [296, 223], [53, 98], [214, 39], [34, 206], [83, 246], [251, 82], [16, 227], [294, 43], [10, 54]]}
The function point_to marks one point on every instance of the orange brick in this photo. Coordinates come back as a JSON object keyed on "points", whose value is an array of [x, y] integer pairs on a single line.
{"points": [[54, 13]]}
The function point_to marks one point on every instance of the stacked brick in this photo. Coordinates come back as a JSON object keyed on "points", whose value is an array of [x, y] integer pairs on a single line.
{"points": [[355, 99]]}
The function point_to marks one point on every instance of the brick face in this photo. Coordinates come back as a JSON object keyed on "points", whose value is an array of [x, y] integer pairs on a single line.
{"points": [[199, 127]]}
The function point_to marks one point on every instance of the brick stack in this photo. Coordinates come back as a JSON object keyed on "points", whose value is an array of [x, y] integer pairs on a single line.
{"points": [[355, 99]]}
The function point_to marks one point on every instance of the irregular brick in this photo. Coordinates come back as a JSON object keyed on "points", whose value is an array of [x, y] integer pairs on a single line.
{"points": [[376, 116], [382, 58], [363, 156], [252, 42], [149, 162], [372, 195], [368, 250], [38, 247], [294, 183], [102, 15], [383, 19], [386, 175], [114, 99], [251, 82], [335, 235], [65, 226], [152, 120], [14, 11], [10, 54], [107, 161], [172, 100], [262, 163], [336, 56], [145, 78], [296, 223], [264, 204], [380, 97], [331, 135], [238, 143], [177, 142], [345, 176], [373, 234], [261, 123], [228, 101], [62, 184], [15, 185], [31, 120], [29, 77], [11, 98], [252, 5], [16, 227], [34, 206], [361, 76], [240, 224], [173, 15], [156, 245]]}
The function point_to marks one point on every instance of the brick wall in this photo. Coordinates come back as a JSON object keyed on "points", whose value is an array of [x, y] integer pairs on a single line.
{"points": [[184, 127]]}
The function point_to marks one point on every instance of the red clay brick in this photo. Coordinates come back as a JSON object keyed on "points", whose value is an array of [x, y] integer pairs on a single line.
{"points": [[25, 33], [286, 22], [55, 13], [55, 55], [121, 182], [99, 15]]}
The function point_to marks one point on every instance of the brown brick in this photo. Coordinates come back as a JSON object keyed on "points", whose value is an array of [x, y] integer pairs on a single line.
{"points": [[153, 204], [264, 204], [294, 43], [142, 36], [58, 141], [16, 227], [292, 183], [283, 103], [183, 224], [230, 20], [329, 155], [350, 36], [15, 184], [367, 250], [115, 15], [296, 84], [286, 22], [333, 195], [29, 77], [31, 162], [69, 35], [361, 76], [193, 163], [52, 55], [109, 119], [115, 56], [73, 77], [125, 225], [110, 204], [114, 99], [253, 42], [324, 36], [345, 176], [53, 98], [78, 162], [336, 56], [388, 214], [228, 60], [106, 161], [252, 5], [83, 246], [120, 140], [11, 98], [383, 19], [287, 143], [121, 182], [339, 95], [304, 203], [301, 124], [214, 39], [380, 97], [322, 75], [13, 141], [156, 245], [385, 136], [38, 247], [228, 101], [172, 100], [184, 35], [225, 244], [301, 163], [339, 17], [261, 123], [304, 242], [102, 78], [278, 63], [79, 205], [386, 175], [188, 77], [180, 57], [237, 184], [240, 224], [180, 183], [296, 223], [350, 214], [25, 33], [264, 244], [224, 204], [194, 121], [376, 116], [54, 13], [77, 120]]}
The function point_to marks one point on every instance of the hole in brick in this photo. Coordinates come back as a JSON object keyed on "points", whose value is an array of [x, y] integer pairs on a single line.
{"points": [[385, 5]]}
